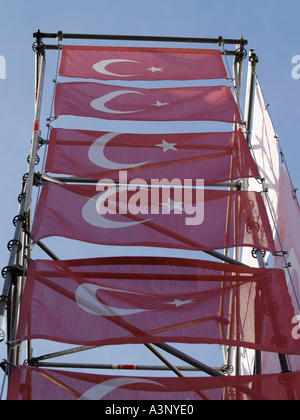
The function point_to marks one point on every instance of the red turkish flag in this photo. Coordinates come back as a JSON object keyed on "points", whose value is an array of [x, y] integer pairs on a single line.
{"points": [[105, 301], [153, 217], [125, 63], [33, 384], [288, 240], [88, 99], [288, 229], [213, 157]]}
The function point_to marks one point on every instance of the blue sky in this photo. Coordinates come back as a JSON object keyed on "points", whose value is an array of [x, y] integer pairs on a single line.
{"points": [[271, 28]]}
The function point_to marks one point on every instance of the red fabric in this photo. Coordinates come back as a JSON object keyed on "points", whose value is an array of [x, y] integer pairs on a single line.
{"points": [[288, 229], [88, 99], [214, 157], [28, 383], [108, 301], [141, 63], [70, 211]]}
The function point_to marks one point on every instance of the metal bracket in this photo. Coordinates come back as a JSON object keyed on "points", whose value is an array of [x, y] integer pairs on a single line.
{"points": [[253, 59], [38, 180], [227, 369], [21, 196], [221, 42], [239, 185], [38, 46], [241, 53], [6, 298], [279, 253], [287, 266], [59, 36], [254, 251], [37, 159], [13, 242], [15, 270], [22, 219], [42, 142], [31, 362]]}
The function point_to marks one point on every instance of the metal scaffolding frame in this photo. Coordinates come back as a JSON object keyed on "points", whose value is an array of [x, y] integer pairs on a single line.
{"points": [[14, 273]]}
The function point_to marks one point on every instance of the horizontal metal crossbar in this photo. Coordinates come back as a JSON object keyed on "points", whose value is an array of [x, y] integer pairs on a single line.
{"points": [[60, 36], [116, 367]]}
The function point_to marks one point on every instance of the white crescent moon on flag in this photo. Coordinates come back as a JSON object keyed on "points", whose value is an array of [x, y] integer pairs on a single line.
{"points": [[100, 67], [91, 216], [96, 154], [87, 300], [97, 392], [100, 103]]}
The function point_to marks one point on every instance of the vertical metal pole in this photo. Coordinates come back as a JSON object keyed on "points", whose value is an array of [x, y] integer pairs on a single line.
{"points": [[12, 353], [40, 75], [8, 277], [26, 203], [35, 138], [237, 72], [253, 60]]}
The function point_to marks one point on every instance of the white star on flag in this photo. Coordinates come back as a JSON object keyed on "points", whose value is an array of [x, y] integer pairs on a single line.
{"points": [[167, 146], [158, 104], [172, 205], [154, 69], [180, 302]]}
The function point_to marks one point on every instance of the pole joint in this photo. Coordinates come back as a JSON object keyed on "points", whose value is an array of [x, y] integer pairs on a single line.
{"points": [[256, 251], [15, 271], [241, 52], [38, 46], [253, 60], [227, 369]]}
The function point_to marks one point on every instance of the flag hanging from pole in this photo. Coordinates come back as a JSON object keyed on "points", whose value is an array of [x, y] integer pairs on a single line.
{"points": [[88, 99], [264, 144], [213, 157], [125, 63], [153, 215], [105, 301], [288, 239]]}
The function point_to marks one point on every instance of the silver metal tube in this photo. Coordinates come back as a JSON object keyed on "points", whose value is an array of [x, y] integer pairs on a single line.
{"points": [[75, 179], [8, 276], [188, 359], [118, 367], [62, 35], [35, 137], [250, 92], [26, 203]]}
